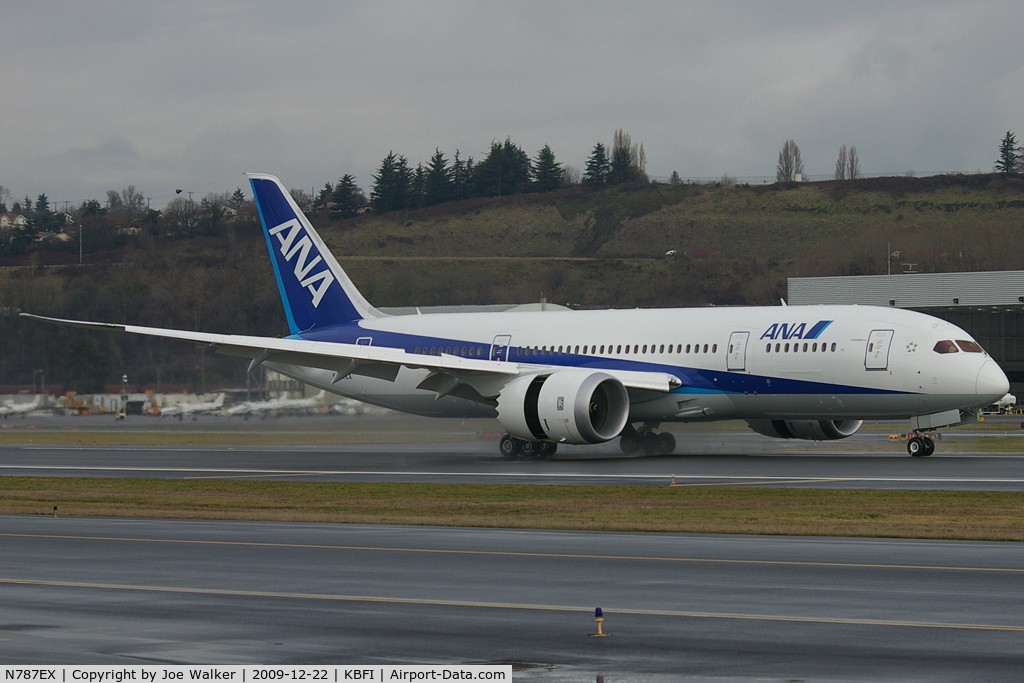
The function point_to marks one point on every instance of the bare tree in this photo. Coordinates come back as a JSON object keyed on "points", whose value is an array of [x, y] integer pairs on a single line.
{"points": [[570, 175], [134, 202], [853, 164], [841, 164], [4, 196], [790, 165]]}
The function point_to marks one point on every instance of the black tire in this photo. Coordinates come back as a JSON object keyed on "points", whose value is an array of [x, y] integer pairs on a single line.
{"points": [[629, 443], [528, 449], [650, 443], [666, 443], [929, 446], [916, 447], [547, 449], [508, 446]]}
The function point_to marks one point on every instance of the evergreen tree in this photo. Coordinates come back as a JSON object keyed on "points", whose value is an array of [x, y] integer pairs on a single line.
{"points": [[437, 187], [547, 173], [462, 177], [237, 198], [347, 198], [392, 185], [598, 167], [620, 167], [418, 190], [323, 197], [674, 179], [1009, 155], [505, 171], [84, 367]]}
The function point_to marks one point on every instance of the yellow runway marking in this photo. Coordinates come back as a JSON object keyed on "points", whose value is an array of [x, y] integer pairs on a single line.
{"points": [[511, 606], [504, 553]]}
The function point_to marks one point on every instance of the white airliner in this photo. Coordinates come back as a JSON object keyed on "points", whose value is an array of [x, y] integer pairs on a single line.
{"points": [[586, 377], [194, 408], [276, 406], [12, 408]]}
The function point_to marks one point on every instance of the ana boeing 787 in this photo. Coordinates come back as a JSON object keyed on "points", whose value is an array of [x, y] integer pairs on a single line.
{"points": [[587, 377]]}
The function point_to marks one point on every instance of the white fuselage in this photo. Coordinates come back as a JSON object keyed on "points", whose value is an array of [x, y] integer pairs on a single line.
{"points": [[796, 362]]}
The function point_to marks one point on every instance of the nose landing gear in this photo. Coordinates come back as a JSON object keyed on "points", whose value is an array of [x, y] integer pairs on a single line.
{"points": [[920, 446]]}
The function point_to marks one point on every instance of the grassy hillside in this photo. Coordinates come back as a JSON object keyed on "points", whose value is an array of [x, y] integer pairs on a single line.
{"points": [[734, 244]]}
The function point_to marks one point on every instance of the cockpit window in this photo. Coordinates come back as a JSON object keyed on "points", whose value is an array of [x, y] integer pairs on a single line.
{"points": [[945, 346], [969, 346]]}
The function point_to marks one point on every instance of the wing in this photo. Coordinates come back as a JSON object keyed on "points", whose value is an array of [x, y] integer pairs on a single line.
{"points": [[447, 371]]}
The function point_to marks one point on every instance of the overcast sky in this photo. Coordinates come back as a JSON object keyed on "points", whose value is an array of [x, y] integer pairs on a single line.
{"points": [[164, 95]]}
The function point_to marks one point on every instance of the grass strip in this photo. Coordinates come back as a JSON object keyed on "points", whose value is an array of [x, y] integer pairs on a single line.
{"points": [[973, 515], [223, 438]]}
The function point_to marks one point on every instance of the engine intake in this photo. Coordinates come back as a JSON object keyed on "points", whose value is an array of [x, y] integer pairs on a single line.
{"points": [[812, 430], [567, 406]]}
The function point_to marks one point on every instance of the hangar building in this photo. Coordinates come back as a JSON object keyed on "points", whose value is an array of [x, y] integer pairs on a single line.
{"points": [[989, 305]]}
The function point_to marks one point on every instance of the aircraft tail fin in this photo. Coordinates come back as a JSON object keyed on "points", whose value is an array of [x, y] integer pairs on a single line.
{"points": [[316, 292]]}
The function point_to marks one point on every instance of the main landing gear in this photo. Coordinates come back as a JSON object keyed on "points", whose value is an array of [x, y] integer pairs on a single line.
{"points": [[647, 440], [920, 446], [514, 447]]}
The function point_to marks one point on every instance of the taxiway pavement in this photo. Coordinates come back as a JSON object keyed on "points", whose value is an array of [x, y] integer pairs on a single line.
{"points": [[678, 606]]}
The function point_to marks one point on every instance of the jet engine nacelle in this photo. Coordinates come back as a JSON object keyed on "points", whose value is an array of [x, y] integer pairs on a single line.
{"points": [[812, 430], [566, 406]]}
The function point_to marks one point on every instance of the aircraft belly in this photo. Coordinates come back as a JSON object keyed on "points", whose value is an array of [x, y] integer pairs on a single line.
{"points": [[401, 395]]}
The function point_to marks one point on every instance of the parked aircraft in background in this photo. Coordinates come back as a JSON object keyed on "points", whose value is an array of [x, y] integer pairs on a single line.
{"points": [[195, 408], [586, 377], [10, 408], [277, 406]]}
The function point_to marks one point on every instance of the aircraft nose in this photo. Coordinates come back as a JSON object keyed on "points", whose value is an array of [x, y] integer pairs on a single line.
{"points": [[992, 381]]}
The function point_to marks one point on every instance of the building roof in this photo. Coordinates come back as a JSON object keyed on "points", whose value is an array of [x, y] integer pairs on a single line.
{"points": [[913, 290]]}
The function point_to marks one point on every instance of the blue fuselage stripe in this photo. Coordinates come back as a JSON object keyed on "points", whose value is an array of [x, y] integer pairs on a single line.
{"points": [[692, 380]]}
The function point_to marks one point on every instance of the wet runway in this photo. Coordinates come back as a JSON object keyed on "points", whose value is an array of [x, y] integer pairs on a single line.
{"points": [[679, 607], [467, 452]]}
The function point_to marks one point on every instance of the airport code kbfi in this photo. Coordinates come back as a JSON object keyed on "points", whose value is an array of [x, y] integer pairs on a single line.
{"points": [[245, 674]]}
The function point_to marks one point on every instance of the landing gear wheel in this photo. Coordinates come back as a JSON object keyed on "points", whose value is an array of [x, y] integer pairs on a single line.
{"points": [[929, 446], [509, 446], [666, 443], [630, 442], [915, 446], [651, 444], [528, 449], [546, 449]]}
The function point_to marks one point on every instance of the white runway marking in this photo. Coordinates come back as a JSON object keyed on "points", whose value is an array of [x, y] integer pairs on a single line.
{"points": [[737, 478]]}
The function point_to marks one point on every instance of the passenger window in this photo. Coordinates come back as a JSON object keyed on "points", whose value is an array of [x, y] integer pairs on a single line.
{"points": [[777, 347], [814, 347], [714, 349], [661, 349], [787, 348], [968, 346], [805, 347], [833, 346], [577, 348], [945, 346], [687, 348], [767, 349]]}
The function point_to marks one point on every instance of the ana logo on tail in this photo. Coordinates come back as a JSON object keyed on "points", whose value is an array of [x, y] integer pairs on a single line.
{"points": [[290, 247]]}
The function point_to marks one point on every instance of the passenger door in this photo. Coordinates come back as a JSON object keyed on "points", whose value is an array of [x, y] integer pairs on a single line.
{"points": [[499, 348], [736, 359], [876, 354]]}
